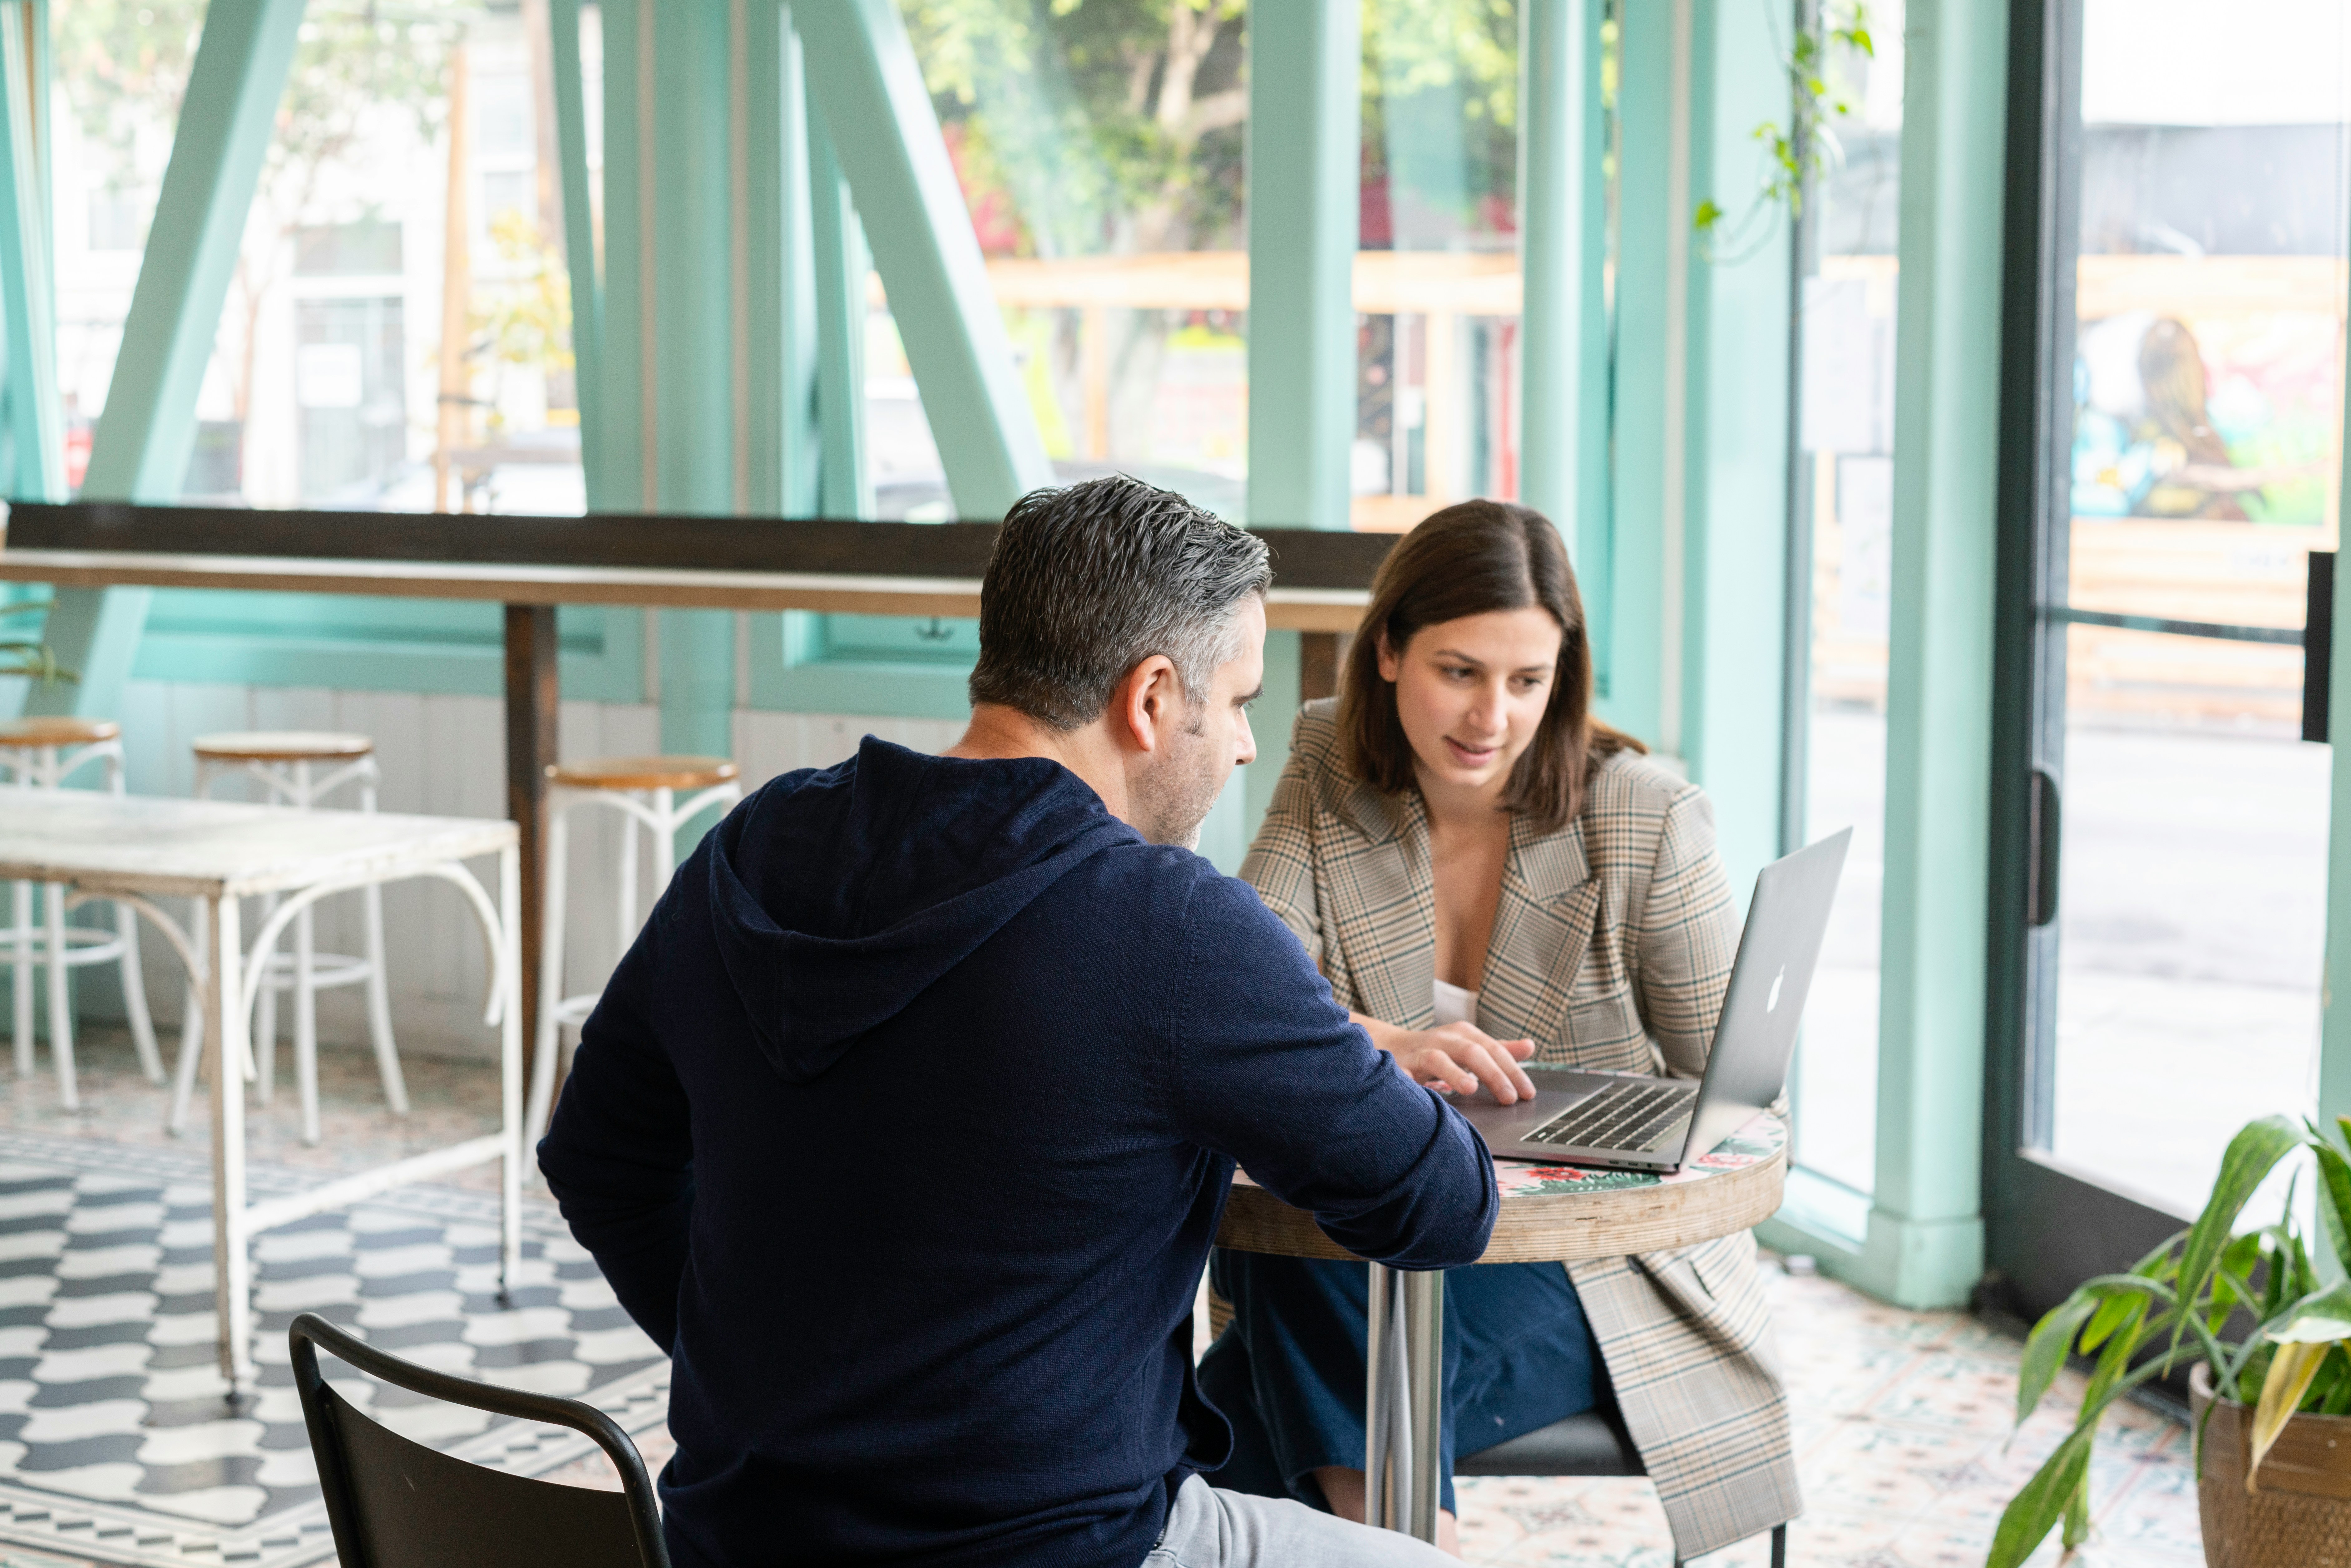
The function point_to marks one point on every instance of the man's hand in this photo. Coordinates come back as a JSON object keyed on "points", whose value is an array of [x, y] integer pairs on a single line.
{"points": [[1459, 1056]]}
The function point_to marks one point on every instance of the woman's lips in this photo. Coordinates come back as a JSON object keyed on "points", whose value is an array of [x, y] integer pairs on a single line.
{"points": [[1472, 757]]}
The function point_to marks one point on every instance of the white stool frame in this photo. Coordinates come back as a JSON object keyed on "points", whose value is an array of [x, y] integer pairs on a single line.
{"points": [[58, 946], [659, 813], [290, 781]]}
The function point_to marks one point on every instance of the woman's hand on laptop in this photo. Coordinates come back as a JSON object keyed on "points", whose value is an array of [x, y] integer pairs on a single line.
{"points": [[1456, 1056]]}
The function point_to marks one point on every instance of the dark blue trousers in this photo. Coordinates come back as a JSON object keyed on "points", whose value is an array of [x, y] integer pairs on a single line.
{"points": [[1288, 1372]]}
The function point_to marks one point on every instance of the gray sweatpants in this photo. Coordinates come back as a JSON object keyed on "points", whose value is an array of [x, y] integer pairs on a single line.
{"points": [[1212, 1529]]}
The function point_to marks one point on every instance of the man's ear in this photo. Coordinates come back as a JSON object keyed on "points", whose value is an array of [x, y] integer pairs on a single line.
{"points": [[1148, 703]]}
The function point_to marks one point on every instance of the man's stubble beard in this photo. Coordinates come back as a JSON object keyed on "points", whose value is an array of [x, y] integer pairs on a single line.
{"points": [[1174, 798]]}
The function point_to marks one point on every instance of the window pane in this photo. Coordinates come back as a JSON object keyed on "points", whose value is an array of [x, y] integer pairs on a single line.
{"points": [[2204, 465], [1100, 151], [1845, 488], [325, 386], [1436, 282]]}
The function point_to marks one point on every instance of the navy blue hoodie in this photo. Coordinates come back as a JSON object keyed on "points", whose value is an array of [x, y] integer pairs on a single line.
{"points": [[905, 1127]]}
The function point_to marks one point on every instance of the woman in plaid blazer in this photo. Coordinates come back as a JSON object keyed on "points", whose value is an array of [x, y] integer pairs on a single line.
{"points": [[1484, 872]]}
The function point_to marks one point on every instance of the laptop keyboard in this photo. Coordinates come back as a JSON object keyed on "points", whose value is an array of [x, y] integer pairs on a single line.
{"points": [[1635, 1117]]}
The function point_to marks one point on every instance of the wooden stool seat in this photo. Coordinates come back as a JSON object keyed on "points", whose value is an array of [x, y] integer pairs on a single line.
{"points": [[58, 731], [282, 745], [643, 773]]}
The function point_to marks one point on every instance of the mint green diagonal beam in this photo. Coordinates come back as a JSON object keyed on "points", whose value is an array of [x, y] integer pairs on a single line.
{"points": [[1305, 141], [27, 298], [862, 74], [140, 450]]}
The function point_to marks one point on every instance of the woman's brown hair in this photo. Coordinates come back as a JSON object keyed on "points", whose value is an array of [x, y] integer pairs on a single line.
{"points": [[1473, 559]]}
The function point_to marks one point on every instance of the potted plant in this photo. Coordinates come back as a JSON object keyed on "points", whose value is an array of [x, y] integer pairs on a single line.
{"points": [[2272, 1410]]}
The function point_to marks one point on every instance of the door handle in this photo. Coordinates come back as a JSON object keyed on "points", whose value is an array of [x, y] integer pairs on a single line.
{"points": [[2047, 818]]}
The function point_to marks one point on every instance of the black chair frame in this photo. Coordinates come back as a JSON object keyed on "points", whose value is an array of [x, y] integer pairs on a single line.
{"points": [[353, 1544]]}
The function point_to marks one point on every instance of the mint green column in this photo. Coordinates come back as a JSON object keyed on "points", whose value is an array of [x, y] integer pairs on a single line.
{"points": [[580, 247], [1305, 141], [863, 76], [1924, 1242], [140, 450], [840, 263], [1653, 217], [2335, 1025], [626, 429], [779, 251], [1563, 245], [27, 296], [691, 208], [1692, 571], [1736, 440]]}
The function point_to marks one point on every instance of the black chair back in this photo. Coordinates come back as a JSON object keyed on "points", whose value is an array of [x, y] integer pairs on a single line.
{"points": [[398, 1504]]}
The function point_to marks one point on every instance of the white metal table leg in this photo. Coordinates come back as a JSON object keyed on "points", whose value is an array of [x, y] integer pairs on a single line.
{"points": [[192, 1021], [510, 1067], [20, 972], [263, 1040], [61, 1002], [134, 995], [379, 1003], [231, 1272], [306, 1023], [550, 968]]}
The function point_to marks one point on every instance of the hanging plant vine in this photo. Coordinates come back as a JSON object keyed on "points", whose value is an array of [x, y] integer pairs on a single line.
{"points": [[1806, 147]]}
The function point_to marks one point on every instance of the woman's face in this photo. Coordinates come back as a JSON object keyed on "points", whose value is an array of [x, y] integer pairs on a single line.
{"points": [[1471, 693]]}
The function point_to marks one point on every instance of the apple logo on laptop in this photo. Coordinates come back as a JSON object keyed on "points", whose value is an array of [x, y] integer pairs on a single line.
{"points": [[1772, 1000]]}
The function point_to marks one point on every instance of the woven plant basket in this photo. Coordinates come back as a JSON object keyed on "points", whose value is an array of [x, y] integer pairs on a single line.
{"points": [[2301, 1517]]}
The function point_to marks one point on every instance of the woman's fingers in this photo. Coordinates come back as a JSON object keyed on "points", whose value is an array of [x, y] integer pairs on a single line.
{"points": [[1495, 1062]]}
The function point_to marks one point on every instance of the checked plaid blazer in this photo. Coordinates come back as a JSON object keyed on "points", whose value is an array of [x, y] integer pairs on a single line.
{"points": [[1612, 949]]}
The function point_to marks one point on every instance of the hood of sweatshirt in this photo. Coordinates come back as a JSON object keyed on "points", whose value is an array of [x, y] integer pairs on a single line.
{"points": [[839, 895]]}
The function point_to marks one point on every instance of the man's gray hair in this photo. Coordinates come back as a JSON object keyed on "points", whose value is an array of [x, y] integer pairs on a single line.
{"points": [[1087, 583]]}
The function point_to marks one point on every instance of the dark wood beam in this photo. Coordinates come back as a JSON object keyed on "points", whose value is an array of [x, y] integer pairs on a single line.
{"points": [[531, 694], [1302, 558]]}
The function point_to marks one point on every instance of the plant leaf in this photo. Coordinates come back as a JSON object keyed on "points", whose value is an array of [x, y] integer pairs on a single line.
{"points": [[2029, 1516], [2320, 1318], [2253, 1153], [2334, 1201], [2295, 1363], [2121, 1307], [2077, 1516], [1707, 216], [2045, 1348]]}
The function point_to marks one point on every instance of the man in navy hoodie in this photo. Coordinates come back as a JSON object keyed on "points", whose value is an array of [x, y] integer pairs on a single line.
{"points": [[906, 1124]]}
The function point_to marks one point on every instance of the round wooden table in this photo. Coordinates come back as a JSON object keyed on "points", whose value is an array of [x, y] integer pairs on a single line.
{"points": [[1549, 1213]]}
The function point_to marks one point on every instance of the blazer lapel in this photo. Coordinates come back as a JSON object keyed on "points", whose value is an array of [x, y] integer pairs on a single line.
{"points": [[1542, 926], [1388, 936]]}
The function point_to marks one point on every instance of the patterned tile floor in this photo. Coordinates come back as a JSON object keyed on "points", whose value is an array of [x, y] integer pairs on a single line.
{"points": [[1902, 1418]]}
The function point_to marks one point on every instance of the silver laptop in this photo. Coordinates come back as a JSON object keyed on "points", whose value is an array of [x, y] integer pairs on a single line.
{"points": [[1624, 1121]]}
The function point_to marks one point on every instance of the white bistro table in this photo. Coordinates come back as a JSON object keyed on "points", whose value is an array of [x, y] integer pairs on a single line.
{"points": [[135, 849]]}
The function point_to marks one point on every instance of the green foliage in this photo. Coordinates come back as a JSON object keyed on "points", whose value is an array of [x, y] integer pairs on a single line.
{"points": [[1118, 125], [2171, 1308], [124, 64], [1808, 145]]}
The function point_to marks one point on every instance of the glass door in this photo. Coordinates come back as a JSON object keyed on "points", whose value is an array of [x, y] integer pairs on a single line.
{"points": [[2175, 295]]}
